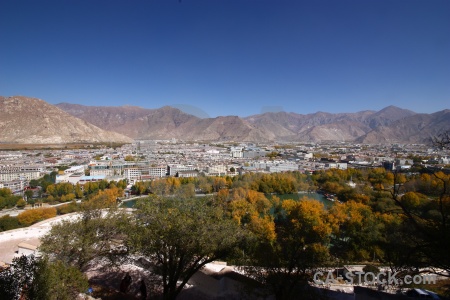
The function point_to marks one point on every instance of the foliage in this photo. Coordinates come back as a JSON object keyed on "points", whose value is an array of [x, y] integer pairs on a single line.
{"points": [[7, 199], [67, 208], [35, 215], [356, 231], [301, 246], [180, 237], [7, 223], [442, 140], [45, 181], [129, 158], [92, 236], [426, 225], [21, 203], [32, 278]]}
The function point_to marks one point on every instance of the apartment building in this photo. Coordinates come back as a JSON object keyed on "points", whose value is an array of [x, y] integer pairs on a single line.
{"points": [[10, 173], [144, 172], [217, 170], [173, 169], [276, 168]]}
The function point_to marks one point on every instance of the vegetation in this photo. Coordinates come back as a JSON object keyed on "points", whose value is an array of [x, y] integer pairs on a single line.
{"points": [[7, 199], [32, 216], [172, 240], [32, 278], [395, 219]]}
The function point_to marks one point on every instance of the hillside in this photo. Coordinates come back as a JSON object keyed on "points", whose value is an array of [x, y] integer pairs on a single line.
{"points": [[31, 120], [164, 123]]}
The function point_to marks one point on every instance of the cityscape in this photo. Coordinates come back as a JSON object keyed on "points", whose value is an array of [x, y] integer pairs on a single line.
{"points": [[198, 166], [226, 149]]}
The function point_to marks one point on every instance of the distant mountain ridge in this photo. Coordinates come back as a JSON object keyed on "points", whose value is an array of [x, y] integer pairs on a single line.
{"points": [[65, 122], [391, 124], [33, 121], [164, 123]]}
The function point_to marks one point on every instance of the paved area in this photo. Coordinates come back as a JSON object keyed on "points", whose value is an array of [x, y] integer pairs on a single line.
{"points": [[30, 235]]}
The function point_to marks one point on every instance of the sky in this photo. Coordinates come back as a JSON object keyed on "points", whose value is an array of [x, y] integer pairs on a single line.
{"points": [[229, 57]]}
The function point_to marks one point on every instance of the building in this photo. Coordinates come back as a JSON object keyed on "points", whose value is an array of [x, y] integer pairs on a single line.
{"points": [[173, 169], [16, 186], [276, 168], [236, 152], [10, 173], [187, 173], [217, 170]]}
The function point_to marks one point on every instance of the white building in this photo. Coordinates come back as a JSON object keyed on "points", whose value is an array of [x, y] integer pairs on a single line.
{"points": [[217, 170], [281, 168], [236, 152], [16, 186], [174, 168], [10, 173], [75, 170]]}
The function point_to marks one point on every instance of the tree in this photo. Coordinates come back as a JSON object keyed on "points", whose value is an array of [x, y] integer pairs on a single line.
{"points": [[35, 215], [21, 203], [91, 237], [426, 224], [300, 247], [29, 194], [356, 231], [180, 237], [129, 158], [31, 278], [442, 140], [7, 223]]}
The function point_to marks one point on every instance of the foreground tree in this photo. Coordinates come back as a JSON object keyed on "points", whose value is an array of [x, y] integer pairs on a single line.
{"points": [[300, 247], [92, 236], [420, 235], [32, 278], [179, 237], [442, 140]]}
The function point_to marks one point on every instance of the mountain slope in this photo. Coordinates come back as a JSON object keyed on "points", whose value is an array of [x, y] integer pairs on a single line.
{"points": [[325, 126], [391, 124], [164, 123], [132, 121], [31, 120], [418, 128]]}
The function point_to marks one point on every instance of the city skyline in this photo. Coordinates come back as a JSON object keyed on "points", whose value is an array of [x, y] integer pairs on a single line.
{"points": [[229, 57]]}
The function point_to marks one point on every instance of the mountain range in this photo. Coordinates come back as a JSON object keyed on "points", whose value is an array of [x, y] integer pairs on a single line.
{"points": [[26, 120], [65, 122]]}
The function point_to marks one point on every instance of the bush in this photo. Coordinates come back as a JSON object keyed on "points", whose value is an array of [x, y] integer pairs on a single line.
{"points": [[32, 216], [8, 223], [68, 208], [21, 203]]}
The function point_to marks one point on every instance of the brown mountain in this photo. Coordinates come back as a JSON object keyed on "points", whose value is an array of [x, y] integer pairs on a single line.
{"points": [[164, 123], [384, 126], [325, 126], [31, 120], [418, 128], [132, 121]]}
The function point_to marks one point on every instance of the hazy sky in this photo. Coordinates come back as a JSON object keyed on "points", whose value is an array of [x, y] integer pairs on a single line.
{"points": [[229, 57]]}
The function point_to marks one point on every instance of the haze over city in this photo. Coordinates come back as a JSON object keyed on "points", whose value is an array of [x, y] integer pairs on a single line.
{"points": [[229, 57]]}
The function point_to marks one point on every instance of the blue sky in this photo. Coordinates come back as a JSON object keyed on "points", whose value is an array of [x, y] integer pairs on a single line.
{"points": [[229, 57]]}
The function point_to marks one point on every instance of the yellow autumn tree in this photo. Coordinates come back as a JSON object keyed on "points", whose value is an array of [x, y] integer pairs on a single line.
{"points": [[32, 216]]}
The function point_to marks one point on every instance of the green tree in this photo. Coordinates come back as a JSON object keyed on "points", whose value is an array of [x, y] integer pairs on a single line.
{"points": [[77, 243], [7, 223], [21, 203], [29, 194], [180, 237], [31, 278]]}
